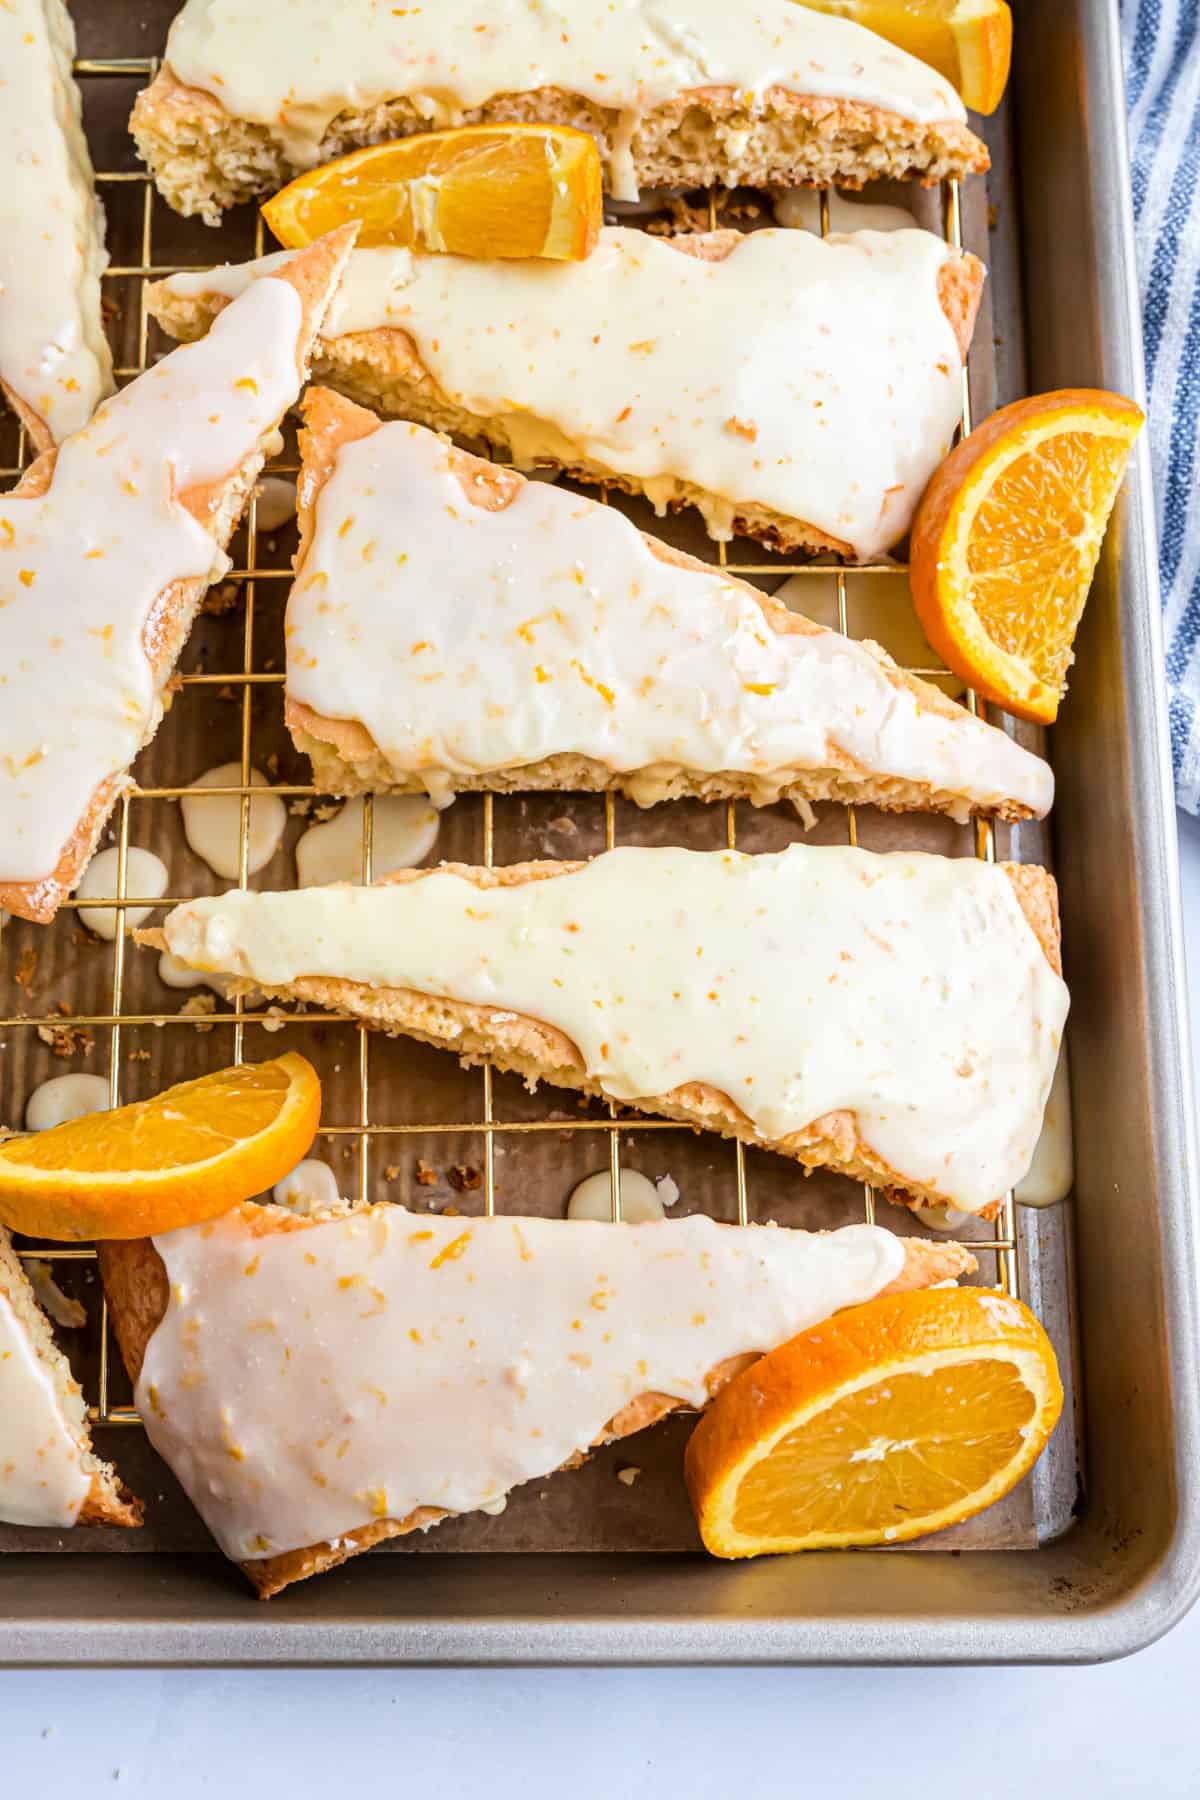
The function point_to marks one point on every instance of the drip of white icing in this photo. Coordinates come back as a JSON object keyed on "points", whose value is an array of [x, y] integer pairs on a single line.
{"points": [[799, 209], [404, 830], [549, 627], [628, 57], [174, 974], [82, 568], [42, 1481], [818, 377], [592, 1198], [145, 873], [941, 1218], [53, 353], [1051, 1174], [274, 502], [213, 825], [306, 1382], [65, 1097], [908, 989], [310, 1188]]}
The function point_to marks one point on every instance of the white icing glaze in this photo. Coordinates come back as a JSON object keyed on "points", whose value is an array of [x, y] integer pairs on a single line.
{"points": [[145, 873], [800, 210], [81, 569], [310, 1188], [592, 1198], [213, 825], [42, 1481], [306, 1382], [941, 1218], [907, 988], [174, 974], [53, 352], [628, 56], [275, 502], [404, 830], [818, 377], [550, 627], [65, 1097], [1051, 1174]]}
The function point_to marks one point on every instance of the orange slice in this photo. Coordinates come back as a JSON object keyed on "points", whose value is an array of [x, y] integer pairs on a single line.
{"points": [[967, 41], [480, 190], [1006, 540], [891, 1420], [189, 1154]]}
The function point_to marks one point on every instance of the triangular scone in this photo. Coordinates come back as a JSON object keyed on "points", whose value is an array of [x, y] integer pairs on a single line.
{"points": [[894, 1017], [106, 549], [698, 93], [454, 626], [320, 1384], [798, 389], [49, 1473], [55, 363]]}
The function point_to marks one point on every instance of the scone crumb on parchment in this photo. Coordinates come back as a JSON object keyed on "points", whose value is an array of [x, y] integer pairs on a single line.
{"points": [[66, 1040], [199, 1006]]}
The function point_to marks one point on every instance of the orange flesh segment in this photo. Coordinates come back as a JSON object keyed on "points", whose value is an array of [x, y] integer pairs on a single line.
{"points": [[482, 191], [187, 1155], [1035, 543], [888, 1421], [969, 42], [1007, 537], [908, 1446], [188, 1124]]}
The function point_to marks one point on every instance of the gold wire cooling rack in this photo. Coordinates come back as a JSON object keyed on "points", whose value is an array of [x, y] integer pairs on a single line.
{"points": [[119, 1019]]}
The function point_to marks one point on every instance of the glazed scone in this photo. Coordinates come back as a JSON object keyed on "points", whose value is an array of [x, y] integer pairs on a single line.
{"points": [[797, 389], [49, 1473], [106, 549], [454, 626], [895, 1017], [55, 363], [695, 94], [321, 1383]]}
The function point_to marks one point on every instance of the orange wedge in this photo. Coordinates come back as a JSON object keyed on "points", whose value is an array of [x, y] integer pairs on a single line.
{"points": [[480, 190], [967, 41], [891, 1420], [1006, 540], [189, 1154]]}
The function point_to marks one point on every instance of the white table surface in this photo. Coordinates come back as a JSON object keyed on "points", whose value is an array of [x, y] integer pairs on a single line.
{"points": [[1129, 1728]]}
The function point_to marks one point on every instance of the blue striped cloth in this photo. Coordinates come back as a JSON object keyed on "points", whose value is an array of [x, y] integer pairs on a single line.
{"points": [[1162, 72]]}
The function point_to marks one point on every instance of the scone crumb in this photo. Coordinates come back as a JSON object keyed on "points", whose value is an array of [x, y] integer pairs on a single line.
{"points": [[220, 599], [199, 1006], [66, 1040], [628, 1474]]}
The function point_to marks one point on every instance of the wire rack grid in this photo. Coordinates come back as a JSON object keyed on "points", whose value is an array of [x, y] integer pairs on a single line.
{"points": [[365, 1127]]}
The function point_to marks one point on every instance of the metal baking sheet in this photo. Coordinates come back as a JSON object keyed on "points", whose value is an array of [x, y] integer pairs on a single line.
{"points": [[1114, 1562]]}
